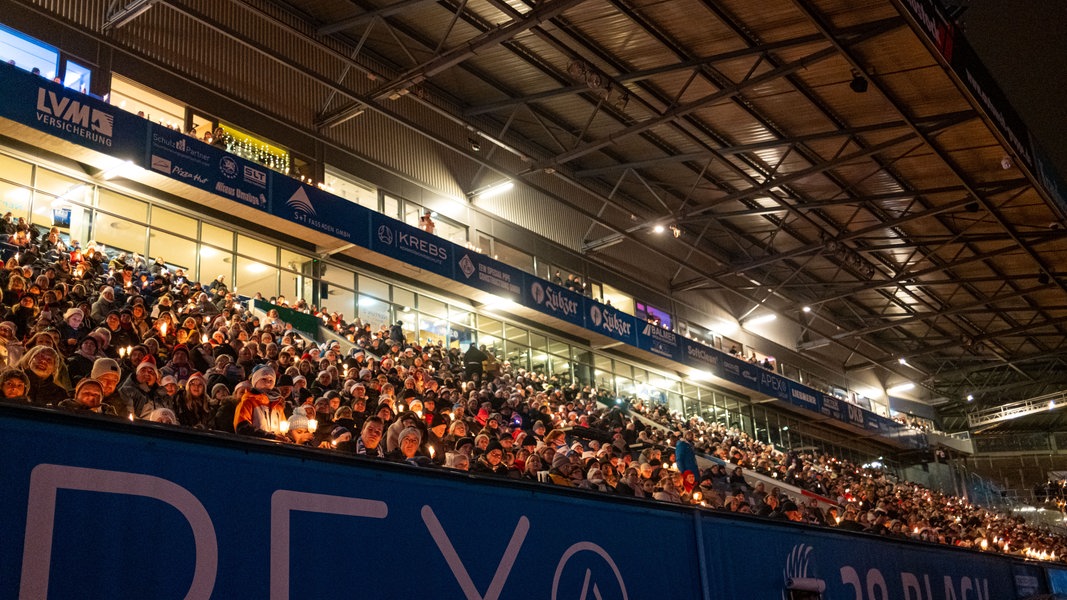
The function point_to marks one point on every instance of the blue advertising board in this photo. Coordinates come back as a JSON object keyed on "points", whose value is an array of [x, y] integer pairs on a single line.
{"points": [[412, 245], [479, 271], [212, 169], [775, 386], [553, 300], [660, 341], [741, 372], [315, 209], [702, 357], [607, 320], [805, 397], [79, 118], [166, 517], [848, 566]]}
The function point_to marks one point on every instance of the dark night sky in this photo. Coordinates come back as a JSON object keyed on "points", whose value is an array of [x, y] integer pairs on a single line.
{"points": [[1024, 45]]}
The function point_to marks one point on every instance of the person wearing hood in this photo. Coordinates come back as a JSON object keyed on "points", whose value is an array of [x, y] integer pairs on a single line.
{"points": [[40, 365], [11, 349], [491, 462], [179, 365], [14, 386], [104, 304], [404, 420], [80, 364], [260, 411]]}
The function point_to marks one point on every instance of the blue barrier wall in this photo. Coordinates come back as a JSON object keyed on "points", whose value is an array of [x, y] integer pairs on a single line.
{"points": [[112, 509]]}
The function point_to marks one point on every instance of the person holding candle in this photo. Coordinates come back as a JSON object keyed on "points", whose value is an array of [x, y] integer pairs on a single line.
{"points": [[142, 390], [260, 411]]}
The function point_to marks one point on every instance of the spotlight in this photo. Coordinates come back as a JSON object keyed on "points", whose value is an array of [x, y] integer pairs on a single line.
{"points": [[658, 229], [476, 145], [859, 83]]}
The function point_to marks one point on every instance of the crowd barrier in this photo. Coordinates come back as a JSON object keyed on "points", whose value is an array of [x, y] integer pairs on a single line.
{"points": [[100, 508]]}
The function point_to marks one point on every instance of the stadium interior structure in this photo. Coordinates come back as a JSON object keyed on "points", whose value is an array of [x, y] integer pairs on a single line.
{"points": [[835, 190]]}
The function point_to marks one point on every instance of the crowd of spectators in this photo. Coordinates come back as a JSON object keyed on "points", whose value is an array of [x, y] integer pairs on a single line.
{"points": [[86, 332]]}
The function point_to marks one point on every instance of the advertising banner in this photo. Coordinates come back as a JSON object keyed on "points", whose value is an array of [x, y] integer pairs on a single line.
{"points": [[657, 340], [607, 320], [849, 566], [167, 518], [49, 107], [313, 208], [806, 397], [776, 386], [553, 300], [412, 245], [479, 271], [741, 372], [212, 169], [702, 357]]}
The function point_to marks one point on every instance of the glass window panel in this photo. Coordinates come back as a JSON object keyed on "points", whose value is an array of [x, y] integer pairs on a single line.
{"points": [[119, 235], [14, 199], [77, 77], [262, 251], [216, 236], [15, 171], [348, 188], [254, 276], [295, 261], [538, 361], [174, 222], [512, 256], [219, 262], [374, 287], [490, 326], [516, 334], [403, 297], [460, 336], [202, 127], [618, 299], [55, 183], [338, 276], [390, 206], [412, 212], [433, 307], [558, 347], [297, 287], [560, 367], [178, 252], [602, 363], [517, 354], [538, 342], [339, 299], [136, 98], [450, 230], [80, 222], [432, 328], [123, 205], [492, 343], [409, 318], [458, 315], [27, 52], [373, 311]]}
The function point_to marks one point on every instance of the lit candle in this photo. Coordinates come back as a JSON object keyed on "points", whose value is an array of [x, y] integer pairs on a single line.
{"points": [[203, 339], [122, 352], [207, 320], [129, 349], [163, 328], [432, 452], [283, 427], [131, 417], [313, 424]]}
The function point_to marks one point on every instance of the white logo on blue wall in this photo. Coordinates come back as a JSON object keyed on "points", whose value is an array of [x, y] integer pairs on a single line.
{"points": [[595, 315], [385, 235], [538, 293], [300, 202], [228, 167], [798, 565], [467, 266]]}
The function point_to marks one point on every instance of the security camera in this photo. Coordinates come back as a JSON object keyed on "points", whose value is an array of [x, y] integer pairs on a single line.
{"points": [[1005, 163]]}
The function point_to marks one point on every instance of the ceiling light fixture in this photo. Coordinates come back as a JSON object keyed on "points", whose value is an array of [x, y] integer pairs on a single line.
{"points": [[496, 190], [658, 229], [765, 318], [806, 309], [903, 387]]}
